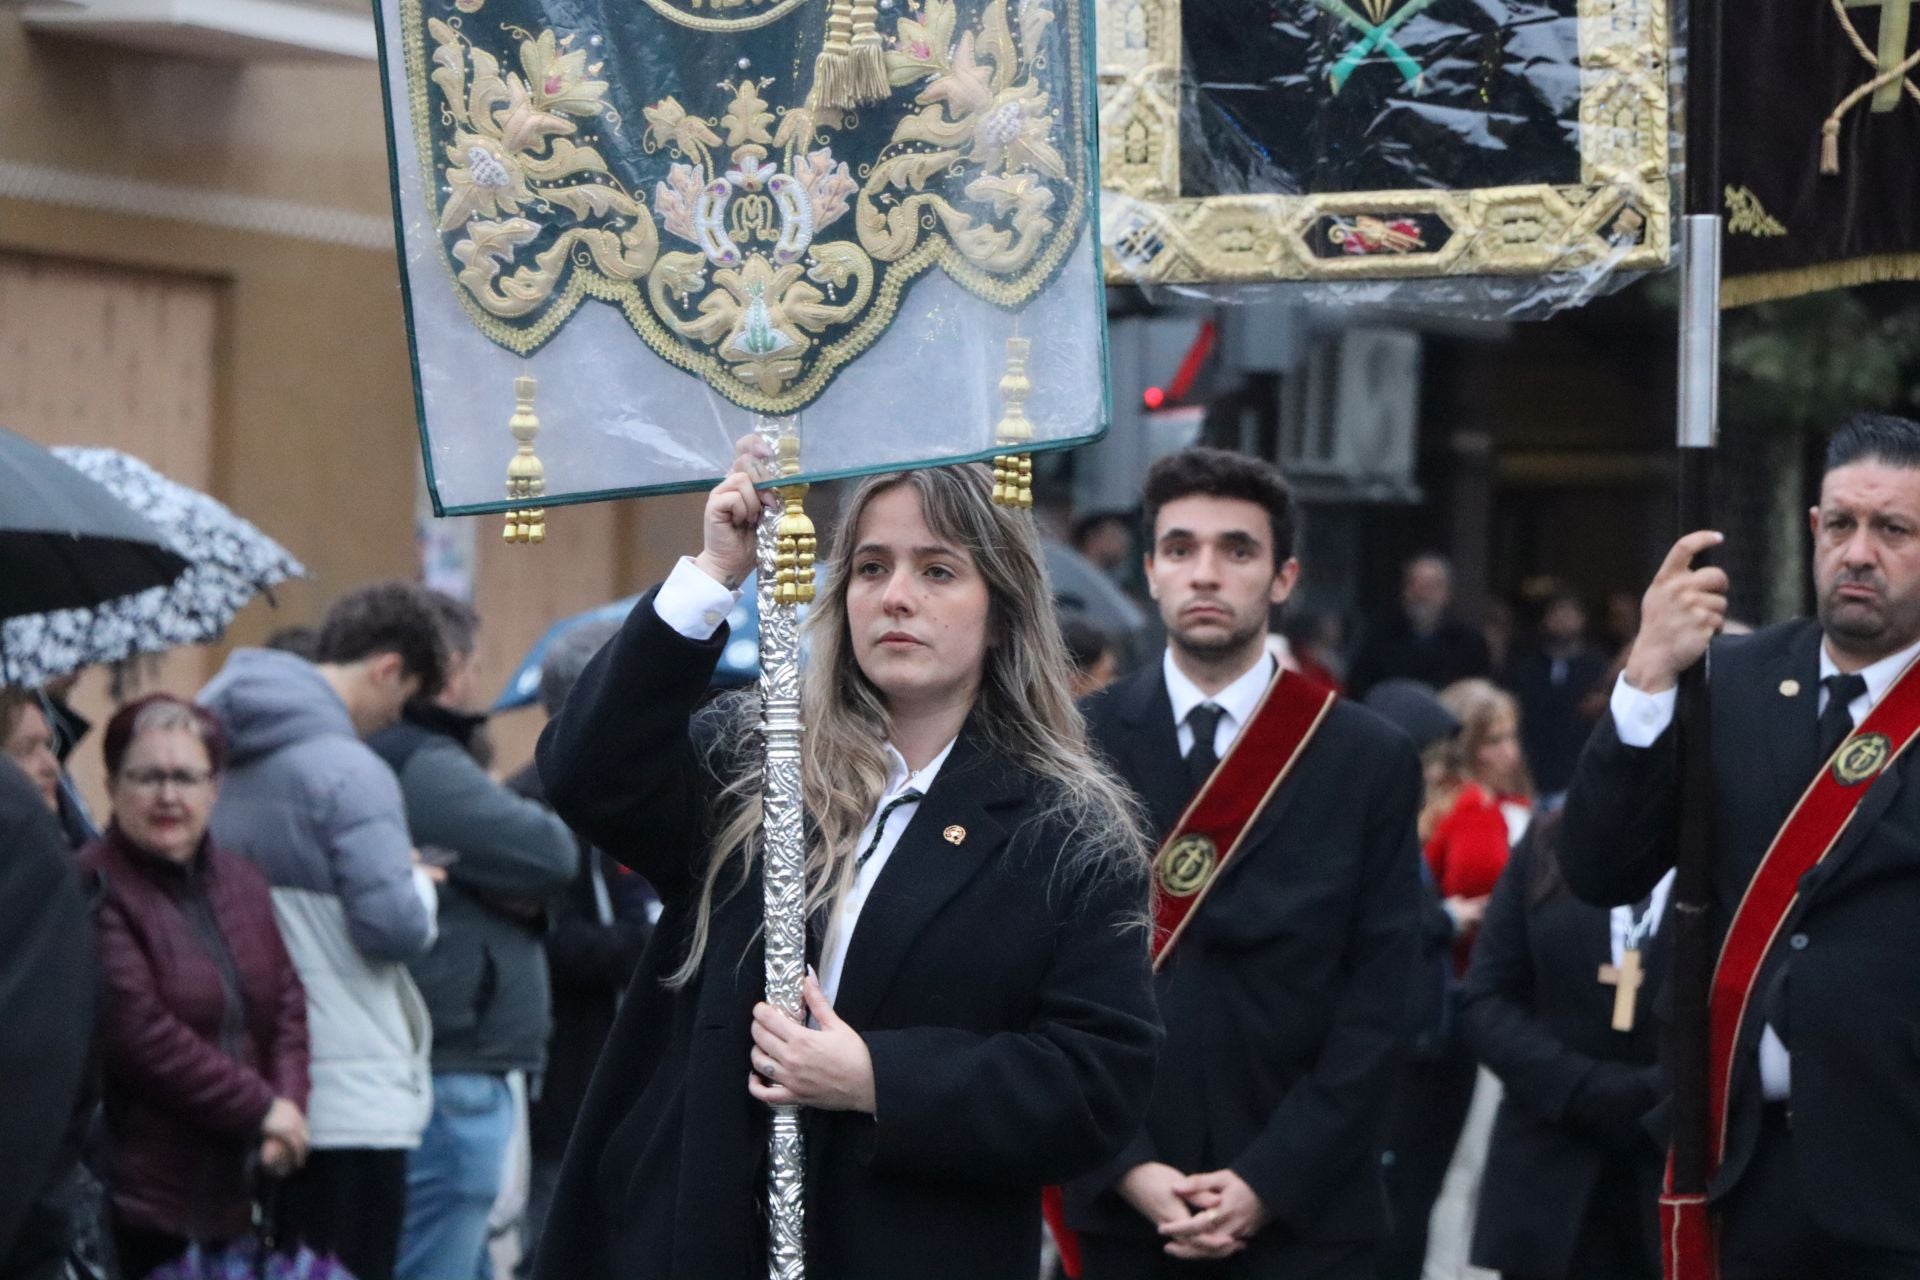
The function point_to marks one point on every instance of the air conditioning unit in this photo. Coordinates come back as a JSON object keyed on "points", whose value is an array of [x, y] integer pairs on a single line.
{"points": [[223, 30], [1353, 413]]}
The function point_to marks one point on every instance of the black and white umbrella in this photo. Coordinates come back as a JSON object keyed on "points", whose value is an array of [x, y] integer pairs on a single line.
{"points": [[229, 562]]}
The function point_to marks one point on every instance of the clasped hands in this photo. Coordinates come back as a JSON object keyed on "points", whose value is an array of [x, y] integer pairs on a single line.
{"points": [[283, 1138], [825, 1066], [1203, 1216]]}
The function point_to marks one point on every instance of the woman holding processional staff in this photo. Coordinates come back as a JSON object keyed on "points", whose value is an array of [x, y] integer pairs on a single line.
{"points": [[980, 1022]]}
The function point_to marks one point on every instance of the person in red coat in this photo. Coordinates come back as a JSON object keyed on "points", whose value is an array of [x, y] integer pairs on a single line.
{"points": [[1477, 806], [204, 1033]]}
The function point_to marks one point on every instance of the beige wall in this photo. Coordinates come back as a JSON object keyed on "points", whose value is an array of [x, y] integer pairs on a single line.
{"points": [[296, 363]]}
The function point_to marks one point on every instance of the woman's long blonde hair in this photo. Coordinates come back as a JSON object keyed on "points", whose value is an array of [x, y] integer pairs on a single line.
{"points": [[1024, 710], [1478, 704]]}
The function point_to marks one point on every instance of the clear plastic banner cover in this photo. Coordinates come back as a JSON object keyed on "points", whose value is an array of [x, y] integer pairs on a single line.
{"points": [[681, 217], [1478, 155]]}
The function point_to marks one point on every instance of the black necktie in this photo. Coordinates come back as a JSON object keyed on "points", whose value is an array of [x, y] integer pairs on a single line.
{"points": [[880, 828], [1836, 722], [1204, 720]]}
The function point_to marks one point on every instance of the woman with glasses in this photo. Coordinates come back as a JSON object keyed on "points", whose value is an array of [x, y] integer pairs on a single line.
{"points": [[204, 1028]]}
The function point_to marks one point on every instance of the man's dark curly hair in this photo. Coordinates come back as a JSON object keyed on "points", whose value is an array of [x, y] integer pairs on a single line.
{"points": [[387, 617], [1221, 473]]}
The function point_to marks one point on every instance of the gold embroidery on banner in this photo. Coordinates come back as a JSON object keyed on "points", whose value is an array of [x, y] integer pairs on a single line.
{"points": [[1746, 217], [682, 16], [749, 324], [1619, 213]]}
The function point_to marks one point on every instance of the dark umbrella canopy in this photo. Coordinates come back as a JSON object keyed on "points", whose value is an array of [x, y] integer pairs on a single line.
{"points": [[65, 541]]}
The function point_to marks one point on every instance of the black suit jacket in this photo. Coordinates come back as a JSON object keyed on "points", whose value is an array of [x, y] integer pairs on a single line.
{"points": [[588, 964], [1534, 1011], [1852, 1001], [1288, 1000], [1553, 725], [1002, 991]]}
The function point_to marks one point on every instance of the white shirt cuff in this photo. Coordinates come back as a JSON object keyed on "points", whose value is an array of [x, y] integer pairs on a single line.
{"points": [[1639, 718], [429, 894], [691, 602]]}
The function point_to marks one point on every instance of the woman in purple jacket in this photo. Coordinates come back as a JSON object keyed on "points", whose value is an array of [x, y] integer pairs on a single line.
{"points": [[204, 1032]]}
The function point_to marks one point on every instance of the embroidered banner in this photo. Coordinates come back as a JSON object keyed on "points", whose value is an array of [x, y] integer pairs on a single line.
{"points": [[1382, 139], [1822, 124], [874, 210]]}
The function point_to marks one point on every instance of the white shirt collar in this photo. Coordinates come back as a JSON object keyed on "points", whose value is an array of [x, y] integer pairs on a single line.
{"points": [[1879, 677], [1238, 699], [900, 778]]}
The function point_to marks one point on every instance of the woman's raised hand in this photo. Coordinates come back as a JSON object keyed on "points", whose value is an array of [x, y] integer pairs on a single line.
{"points": [[733, 512]]}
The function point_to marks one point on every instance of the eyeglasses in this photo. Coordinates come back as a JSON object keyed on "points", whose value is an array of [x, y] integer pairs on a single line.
{"points": [[154, 779]]}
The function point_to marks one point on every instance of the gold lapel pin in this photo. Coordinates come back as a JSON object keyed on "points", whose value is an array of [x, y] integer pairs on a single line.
{"points": [[1789, 688], [955, 834]]}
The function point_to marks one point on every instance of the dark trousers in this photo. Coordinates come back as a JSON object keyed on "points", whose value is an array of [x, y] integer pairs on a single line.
{"points": [[1766, 1233], [1617, 1240], [1112, 1258], [348, 1203], [1429, 1109]]}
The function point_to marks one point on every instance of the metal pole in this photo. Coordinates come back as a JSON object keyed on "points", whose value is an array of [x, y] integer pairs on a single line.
{"points": [[1697, 431], [783, 874], [1692, 888]]}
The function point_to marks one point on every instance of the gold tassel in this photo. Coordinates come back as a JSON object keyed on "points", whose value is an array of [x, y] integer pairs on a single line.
{"points": [[526, 477], [832, 70], [1013, 472], [794, 542], [1830, 131], [867, 64]]}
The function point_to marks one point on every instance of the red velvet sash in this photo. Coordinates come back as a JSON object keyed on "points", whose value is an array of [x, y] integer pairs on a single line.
{"points": [[1208, 834], [1689, 1247]]}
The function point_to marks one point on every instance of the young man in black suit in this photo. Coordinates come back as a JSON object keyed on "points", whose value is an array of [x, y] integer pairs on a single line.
{"points": [[1286, 997], [1821, 1167]]}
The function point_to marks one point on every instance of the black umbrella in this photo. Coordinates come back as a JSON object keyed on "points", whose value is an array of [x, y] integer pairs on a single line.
{"points": [[65, 541]]}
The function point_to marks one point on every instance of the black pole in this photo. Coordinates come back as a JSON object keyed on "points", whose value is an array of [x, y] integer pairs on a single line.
{"points": [[1693, 956]]}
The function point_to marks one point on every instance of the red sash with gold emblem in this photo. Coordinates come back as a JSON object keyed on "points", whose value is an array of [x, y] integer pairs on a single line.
{"points": [[1209, 833], [1688, 1246]]}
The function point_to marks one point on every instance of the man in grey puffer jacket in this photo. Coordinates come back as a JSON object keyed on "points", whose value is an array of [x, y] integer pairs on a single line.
{"points": [[485, 980], [323, 817]]}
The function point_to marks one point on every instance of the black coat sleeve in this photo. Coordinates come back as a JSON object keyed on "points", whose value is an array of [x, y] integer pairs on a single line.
{"points": [[1617, 839], [1497, 1016], [619, 761], [1337, 1107], [48, 984], [1045, 1103]]}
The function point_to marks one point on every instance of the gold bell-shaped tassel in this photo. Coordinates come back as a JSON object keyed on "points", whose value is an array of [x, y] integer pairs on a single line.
{"points": [[1013, 472], [794, 538], [526, 477]]}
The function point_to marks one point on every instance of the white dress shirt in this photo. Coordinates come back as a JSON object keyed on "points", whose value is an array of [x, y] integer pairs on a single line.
{"points": [[1237, 701], [846, 912], [694, 604], [1640, 718]]}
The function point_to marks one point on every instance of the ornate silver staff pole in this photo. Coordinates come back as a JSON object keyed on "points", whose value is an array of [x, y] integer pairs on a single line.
{"points": [[784, 583]]}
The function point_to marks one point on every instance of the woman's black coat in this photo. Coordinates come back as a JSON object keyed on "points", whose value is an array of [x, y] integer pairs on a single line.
{"points": [[1004, 997], [1577, 1092]]}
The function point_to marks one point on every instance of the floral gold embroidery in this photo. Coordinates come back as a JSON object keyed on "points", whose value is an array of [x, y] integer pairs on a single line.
{"points": [[1746, 217], [764, 246]]}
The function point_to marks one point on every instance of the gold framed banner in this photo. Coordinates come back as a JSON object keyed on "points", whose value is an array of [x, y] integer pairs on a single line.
{"points": [[1325, 140]]}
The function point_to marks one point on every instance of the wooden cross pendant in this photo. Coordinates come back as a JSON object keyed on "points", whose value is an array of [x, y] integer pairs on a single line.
{"points": [[1625, 982]]}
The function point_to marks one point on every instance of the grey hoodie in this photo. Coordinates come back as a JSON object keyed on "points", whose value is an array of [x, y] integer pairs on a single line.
{"points": [[322, 816]]}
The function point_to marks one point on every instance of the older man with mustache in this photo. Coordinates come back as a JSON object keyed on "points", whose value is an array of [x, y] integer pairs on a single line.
{"points": [[1815, 873]]}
